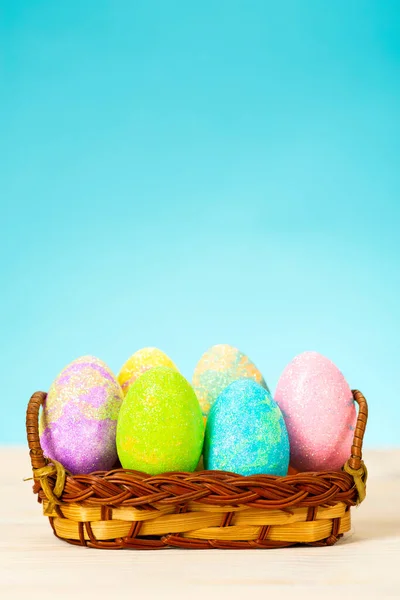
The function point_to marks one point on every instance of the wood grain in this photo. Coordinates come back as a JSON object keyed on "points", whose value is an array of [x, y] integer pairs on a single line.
{"points": [[34, 564]]}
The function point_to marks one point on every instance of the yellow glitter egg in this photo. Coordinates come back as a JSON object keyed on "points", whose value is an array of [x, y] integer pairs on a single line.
{"points": [[220, 366], [140, 362], [160, 425]]}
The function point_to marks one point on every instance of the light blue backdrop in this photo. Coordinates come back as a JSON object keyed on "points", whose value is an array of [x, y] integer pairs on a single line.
{"points": [[181, 174]]}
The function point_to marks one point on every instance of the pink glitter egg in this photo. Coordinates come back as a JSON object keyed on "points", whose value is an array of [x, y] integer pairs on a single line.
{"points": [[79, 418], [319, 412]]}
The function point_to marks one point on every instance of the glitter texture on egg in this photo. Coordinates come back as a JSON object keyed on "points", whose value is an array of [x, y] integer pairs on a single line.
{"points": [[220, 366], [319, 412], [160, 425], [246, 432], [140, 362], [79, 417]]}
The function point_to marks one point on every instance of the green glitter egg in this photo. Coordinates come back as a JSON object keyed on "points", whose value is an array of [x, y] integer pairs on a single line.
{"points": [[246, 432], [160, 425]]}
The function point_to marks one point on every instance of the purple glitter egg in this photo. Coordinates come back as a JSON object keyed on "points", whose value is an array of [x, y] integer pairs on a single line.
{"points": [[79, 418]]}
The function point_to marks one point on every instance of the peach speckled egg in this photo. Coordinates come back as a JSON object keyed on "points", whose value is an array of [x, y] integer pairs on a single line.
{"points": [[319, 412], [220, 366]]}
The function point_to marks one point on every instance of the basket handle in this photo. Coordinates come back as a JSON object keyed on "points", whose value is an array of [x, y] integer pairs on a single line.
{"points": [[32, 430], [355, 460]]}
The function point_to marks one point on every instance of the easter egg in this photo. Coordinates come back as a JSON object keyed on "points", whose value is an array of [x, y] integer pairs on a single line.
{"points": [[79, 418], [319, 412], [245, 432], [220, 366], [141, 361], [160, 425]]}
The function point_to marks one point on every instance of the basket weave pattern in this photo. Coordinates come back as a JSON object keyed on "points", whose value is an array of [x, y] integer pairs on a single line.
{"points": [[206, 509]]}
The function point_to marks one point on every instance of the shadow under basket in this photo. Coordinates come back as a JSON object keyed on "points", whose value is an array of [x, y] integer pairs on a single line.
{"points": [[205, 509]]}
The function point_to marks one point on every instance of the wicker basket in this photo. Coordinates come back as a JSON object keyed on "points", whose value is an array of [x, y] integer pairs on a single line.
{"points": [[206, 509]]}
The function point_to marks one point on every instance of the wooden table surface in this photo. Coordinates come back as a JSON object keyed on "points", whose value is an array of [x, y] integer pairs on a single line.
{"points": [[35, 564]]}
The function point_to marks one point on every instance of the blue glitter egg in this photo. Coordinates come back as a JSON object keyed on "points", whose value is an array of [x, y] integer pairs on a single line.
{"points": [[246, 432]]}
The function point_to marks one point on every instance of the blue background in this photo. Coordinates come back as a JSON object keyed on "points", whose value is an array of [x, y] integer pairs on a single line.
{"points": [[181, 174]]}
